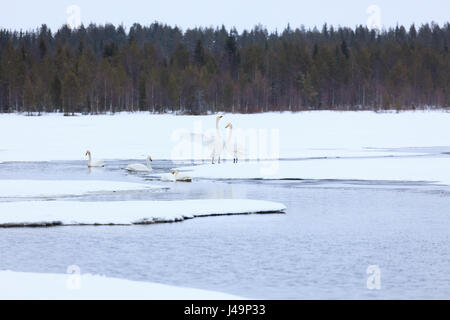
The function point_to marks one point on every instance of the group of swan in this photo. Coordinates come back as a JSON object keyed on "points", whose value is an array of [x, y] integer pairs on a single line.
{"points": [[173, 176], [217, 145]]}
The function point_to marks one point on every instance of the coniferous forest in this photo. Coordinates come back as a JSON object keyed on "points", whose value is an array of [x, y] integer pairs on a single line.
{"points": [[159, 68]]}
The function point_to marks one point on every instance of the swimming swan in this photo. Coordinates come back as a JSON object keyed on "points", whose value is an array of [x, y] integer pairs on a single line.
{"points": [[138, 167], [175, 176], [94, 164]]}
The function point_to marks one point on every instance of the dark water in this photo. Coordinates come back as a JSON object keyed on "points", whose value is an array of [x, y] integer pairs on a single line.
{"points": [[321, 248]]}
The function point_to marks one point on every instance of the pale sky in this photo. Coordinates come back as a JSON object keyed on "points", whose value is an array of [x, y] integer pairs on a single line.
{"points": [[242, 14]]}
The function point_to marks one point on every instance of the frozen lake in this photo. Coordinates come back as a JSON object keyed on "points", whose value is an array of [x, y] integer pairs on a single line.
{"points": [[321, 248]]}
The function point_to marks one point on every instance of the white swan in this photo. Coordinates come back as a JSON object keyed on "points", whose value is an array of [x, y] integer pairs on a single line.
{"points": [[214, 143], [139, 167], [218, 142], [94, 164], [175, 176], [233, 146]]}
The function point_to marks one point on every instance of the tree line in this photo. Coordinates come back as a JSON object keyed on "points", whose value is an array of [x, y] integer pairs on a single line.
{"points": [[159, 68]]}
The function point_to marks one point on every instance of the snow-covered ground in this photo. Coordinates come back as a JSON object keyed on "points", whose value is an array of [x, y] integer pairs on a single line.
{"points": [[287, 135], [419, 169], [47, 213], [58, 188], [32, 286]]}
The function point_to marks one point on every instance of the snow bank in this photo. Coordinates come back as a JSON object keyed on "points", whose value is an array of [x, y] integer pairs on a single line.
{"points": [[430, 169], [56, 213], [33, 286], [305, 134], [42, 188]]}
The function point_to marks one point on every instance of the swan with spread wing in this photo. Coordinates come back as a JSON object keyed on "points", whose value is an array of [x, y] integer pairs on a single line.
{"points": [[213, 142]]}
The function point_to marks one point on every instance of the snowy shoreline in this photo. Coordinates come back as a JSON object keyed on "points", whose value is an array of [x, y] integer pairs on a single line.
{"points": [[36, 286], [123, 213], [306, 134]]}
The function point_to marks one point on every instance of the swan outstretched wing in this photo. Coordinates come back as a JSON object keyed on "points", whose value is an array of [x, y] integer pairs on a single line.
{"points": [[207, 140]]}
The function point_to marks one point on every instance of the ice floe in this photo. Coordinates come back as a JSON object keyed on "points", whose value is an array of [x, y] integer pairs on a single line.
{"points": [[31, 286], [58, 213]]}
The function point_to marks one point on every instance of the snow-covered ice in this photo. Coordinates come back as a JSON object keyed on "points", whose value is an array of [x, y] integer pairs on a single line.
{"points": [[58, 188], [419, 169], [32, 286], [133, 136], [55, 213]]}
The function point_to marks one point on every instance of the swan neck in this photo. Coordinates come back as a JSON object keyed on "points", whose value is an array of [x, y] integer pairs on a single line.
{"points": [[217, 127], [230, 134]]}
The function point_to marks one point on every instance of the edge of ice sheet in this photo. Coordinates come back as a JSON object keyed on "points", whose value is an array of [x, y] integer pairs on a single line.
{"points": [[55, 188], [35, 286], [66, 213], [414, 169]]}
